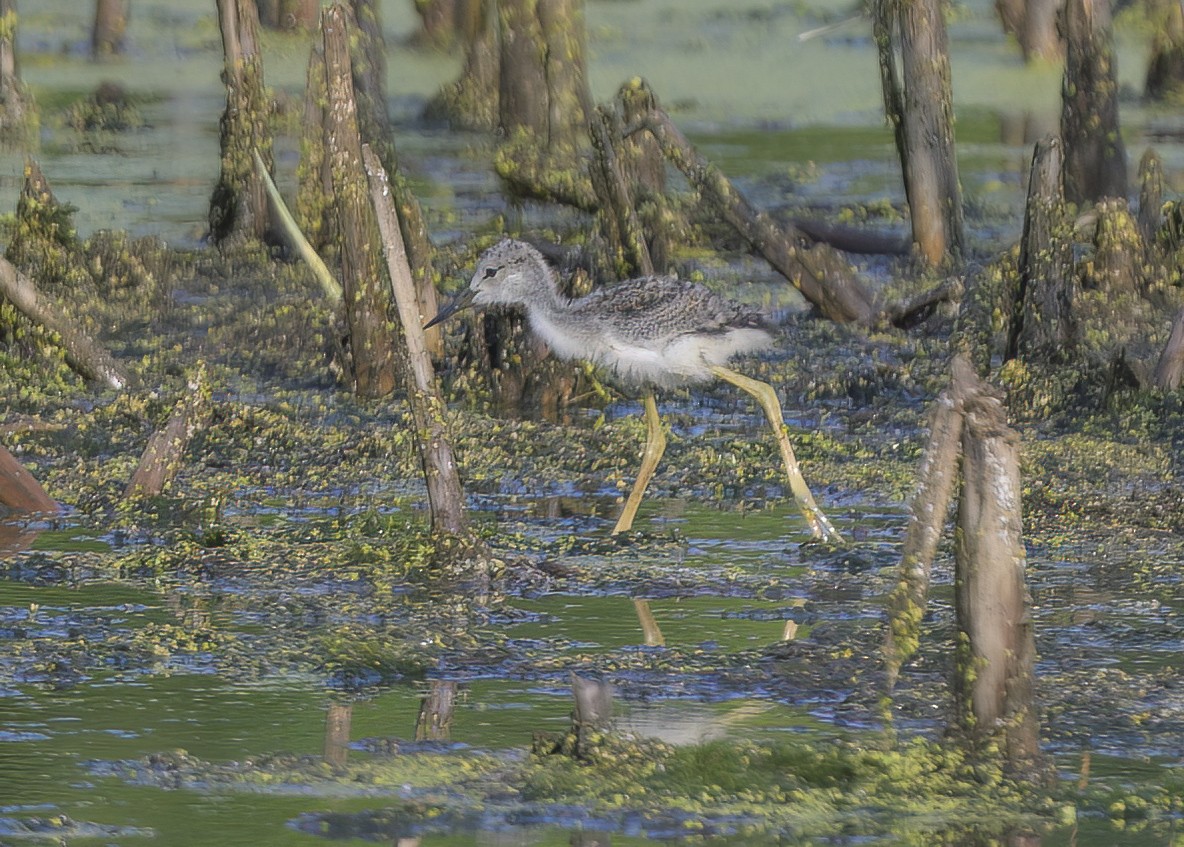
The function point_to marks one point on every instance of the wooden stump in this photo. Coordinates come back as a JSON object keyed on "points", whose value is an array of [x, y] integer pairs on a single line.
{"points": [[165, 454], [919, 103], [363, 279], [1043, 325], [996, 651], [1095, 157], [238, 205], [434, 722]]}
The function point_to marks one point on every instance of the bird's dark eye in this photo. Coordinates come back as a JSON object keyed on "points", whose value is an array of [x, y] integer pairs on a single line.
{"points": [[489, 272]]}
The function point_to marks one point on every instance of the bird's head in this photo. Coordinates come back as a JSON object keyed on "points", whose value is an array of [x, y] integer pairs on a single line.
{"points": [[511, 273]]}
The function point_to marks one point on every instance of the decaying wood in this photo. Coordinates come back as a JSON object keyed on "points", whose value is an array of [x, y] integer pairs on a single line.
{"points": [[823, 278], [851, 239], [19, 489], [164, 456], [109, 28], [445, 495], [1150, 196], [916, 309], [471, 102], [338, 720], [1165, 68], [928, 510], [995, 654], [1118, 250], [592, 713], [618, 212], [1043, 325], [1095, 157], [434, 722], [363, 278], [1170, 367], [644, 168], [83, 354], [316, 212], [238, 205], [16, 104], [918, 101]]}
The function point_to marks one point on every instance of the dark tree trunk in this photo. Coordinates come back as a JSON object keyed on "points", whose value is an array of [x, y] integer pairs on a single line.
{"points": [[16, 104], [1150, 197], [1165, 69], [444, 24], [289, 15], [543, 100], [1034, 25], [363, 280], [472, 102], [918, 102], [1043, 326], [316, 210], [368, 55], [996, 650], [238, 207], [1095, 157], [110, 27]]}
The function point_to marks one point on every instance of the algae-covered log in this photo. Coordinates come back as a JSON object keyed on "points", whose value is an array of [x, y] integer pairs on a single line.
{"points": [[928, 509], [238, 205], [1095, 157], [83, 353], [821, 275], [164, 456], [996, 653], [918, 100], [363, 278]]}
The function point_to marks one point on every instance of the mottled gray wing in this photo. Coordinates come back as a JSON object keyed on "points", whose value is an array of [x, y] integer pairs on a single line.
{"points": [[653, 308]]}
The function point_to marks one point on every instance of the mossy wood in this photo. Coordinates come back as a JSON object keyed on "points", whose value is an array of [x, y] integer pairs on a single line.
{"points": [[996, 653], [18, 114], [110, 28], [436, 708], [823, 277], [1043, 325], [472, 102], [1165, 67], [918, 100], [363, 279], [1150, 215], [1095, 156], [238, 205], [164, 456], [1034, 25], [83, 353], [338, 720], [445, 496], [617, 218]]}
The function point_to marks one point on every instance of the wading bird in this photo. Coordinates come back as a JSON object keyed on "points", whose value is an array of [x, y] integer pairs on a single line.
{"points": [[649, 333]]}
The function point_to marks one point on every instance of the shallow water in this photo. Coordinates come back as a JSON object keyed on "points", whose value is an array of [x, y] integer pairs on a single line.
{"points": [[798, 123]]}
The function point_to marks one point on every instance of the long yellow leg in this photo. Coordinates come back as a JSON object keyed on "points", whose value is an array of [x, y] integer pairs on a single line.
{"points": [[767, 397], [655, 446]]}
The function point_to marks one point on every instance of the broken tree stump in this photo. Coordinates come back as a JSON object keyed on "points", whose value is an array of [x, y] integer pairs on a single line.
{"points": [[995, 653], [1043, 326], [164, 456], [1095, 157], [928, 510], [918, 100], [820, 274], [1170, 367], [238, 205], [363, 279], [434, 722], [338, 719]]}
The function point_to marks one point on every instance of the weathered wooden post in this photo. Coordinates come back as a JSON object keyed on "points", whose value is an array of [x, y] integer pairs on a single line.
{"points": [[110, 27], [918, 101], [996, 652], [434, 722], [1150, 214], [238, 205], [363, 279], [1042, 324], [165, 453], [338, 718], [1095, 157]]}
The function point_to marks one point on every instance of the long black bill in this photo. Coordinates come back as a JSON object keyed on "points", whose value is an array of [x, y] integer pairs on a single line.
{"points": [[457, 303]]}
